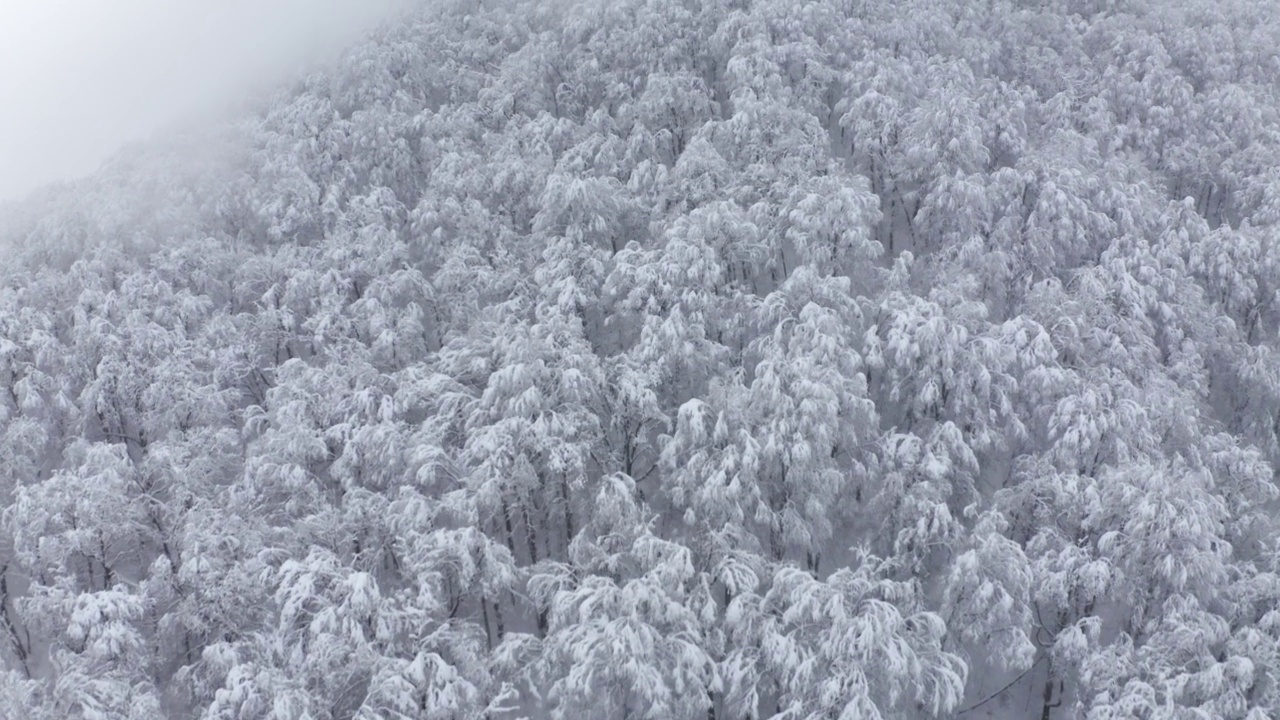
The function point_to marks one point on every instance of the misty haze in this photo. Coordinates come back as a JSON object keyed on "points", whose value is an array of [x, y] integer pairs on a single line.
{"points": [[640, 360], [80, 78]]}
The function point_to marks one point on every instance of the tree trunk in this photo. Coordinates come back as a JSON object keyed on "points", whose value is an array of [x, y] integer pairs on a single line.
{"points": [[1046, 710], [569, 531]]}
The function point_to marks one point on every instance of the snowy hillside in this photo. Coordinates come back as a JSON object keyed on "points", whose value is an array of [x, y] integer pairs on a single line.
{"points": [[668, 360]]}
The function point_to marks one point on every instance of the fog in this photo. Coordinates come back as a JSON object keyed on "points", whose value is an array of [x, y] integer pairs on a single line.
{"points": [[80, 78]]}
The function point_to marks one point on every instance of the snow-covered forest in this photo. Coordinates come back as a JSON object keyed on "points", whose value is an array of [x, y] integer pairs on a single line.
{"points": [[667, 360]]}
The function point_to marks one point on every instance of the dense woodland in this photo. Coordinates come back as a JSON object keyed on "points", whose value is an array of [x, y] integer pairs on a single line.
{"points": [[667, 360]]}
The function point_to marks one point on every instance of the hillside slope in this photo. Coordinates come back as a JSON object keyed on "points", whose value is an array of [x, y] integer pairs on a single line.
{"points": [[668, 359]]}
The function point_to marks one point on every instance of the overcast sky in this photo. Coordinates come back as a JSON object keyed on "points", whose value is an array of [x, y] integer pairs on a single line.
{"points": [[79, 78]]}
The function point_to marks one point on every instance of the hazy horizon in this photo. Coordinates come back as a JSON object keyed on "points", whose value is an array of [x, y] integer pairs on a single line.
{"points": [[80, 79]]}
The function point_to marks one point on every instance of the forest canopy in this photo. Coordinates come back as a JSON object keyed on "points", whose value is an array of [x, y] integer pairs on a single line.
{"points": [[667, 360]]}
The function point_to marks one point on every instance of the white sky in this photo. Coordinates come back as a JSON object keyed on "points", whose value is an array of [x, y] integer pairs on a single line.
{"points": [[80, 78]]}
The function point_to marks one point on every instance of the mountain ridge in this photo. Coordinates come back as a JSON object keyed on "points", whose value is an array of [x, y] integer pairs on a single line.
{"points": [[668, 359]]}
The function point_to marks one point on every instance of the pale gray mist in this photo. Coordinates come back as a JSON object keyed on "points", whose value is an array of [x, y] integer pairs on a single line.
{"points": [[80, 78]]}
